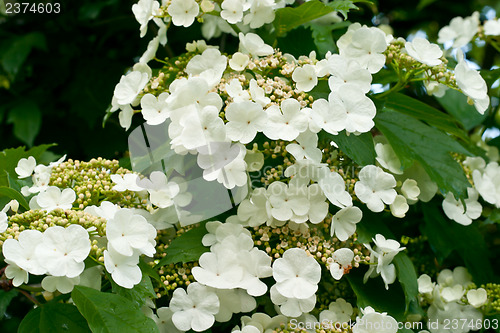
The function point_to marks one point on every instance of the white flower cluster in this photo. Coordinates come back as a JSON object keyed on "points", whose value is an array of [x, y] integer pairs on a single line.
{"points": [[447, 302]]}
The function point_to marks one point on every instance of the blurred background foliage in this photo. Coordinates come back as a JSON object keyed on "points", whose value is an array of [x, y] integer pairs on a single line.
{"points": [[58, 71]]}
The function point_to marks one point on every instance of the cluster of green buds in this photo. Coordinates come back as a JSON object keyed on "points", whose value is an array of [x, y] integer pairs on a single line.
{"points": [[92, 183]]}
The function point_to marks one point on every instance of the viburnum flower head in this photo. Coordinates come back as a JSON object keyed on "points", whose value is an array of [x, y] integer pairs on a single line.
{"points": [[239, 61], [292, 307], [128, 232], [63, 250], [218, 271], [375, 187], [297, 275], [183, 12], [423, 51], [339, 311], [194, 308], [287, 201], [347, 71], [209, 65], [456, 211], [232, 11], [472, 84], [261, 12]]}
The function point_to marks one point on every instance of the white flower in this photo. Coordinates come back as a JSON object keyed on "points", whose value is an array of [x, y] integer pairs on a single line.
{"points": [[106, 210], [54, 198], [127, 232], [305, 77], [257, 93], [410, 189], [460, 31], [25, 167], [63, 250], [233, 301], [387, 157], [487, 183], [347, 71], [224, 162], [245, 119], [454, 312], [399, 206], [339, 311], [472, 84], [455, 210], [286, 201], [342, 262], [239, 61], [164, 322], [218, 271], [23, 252], [354, 108], [384, 252], [286, 124], [17, 274], [123, 269], [492, 27], [307, 147], [209, 65], [150, 52], [297, 275], [261, 12], [477, 297], [252, 44], [344, 222], [62, 284], [126, 182], [372, 321], [235, 90], [257, 265], [161, 191], [333, 185], [144, 11], [232, 11], [375, 187], [292, 307], [256, 210], [318, 207], [425, 284], [425, 52], [183, 12], [4, 224], [155, 110], [195, 308], [130, 86], [365, 45]]}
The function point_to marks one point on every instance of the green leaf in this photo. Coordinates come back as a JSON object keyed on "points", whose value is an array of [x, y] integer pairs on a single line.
{"points": [[139, 293], [186, 248], [54, 317], [343, 6], [289, 18], [359, 148], [27, 120], [422, 111], [5, 298], [10, 157], [373, 293], [445, 236], [111, 313], [15, 56], [323, 37], [413, 140], [424, 3], [407, 277], [13, 194], [455, 103]]}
